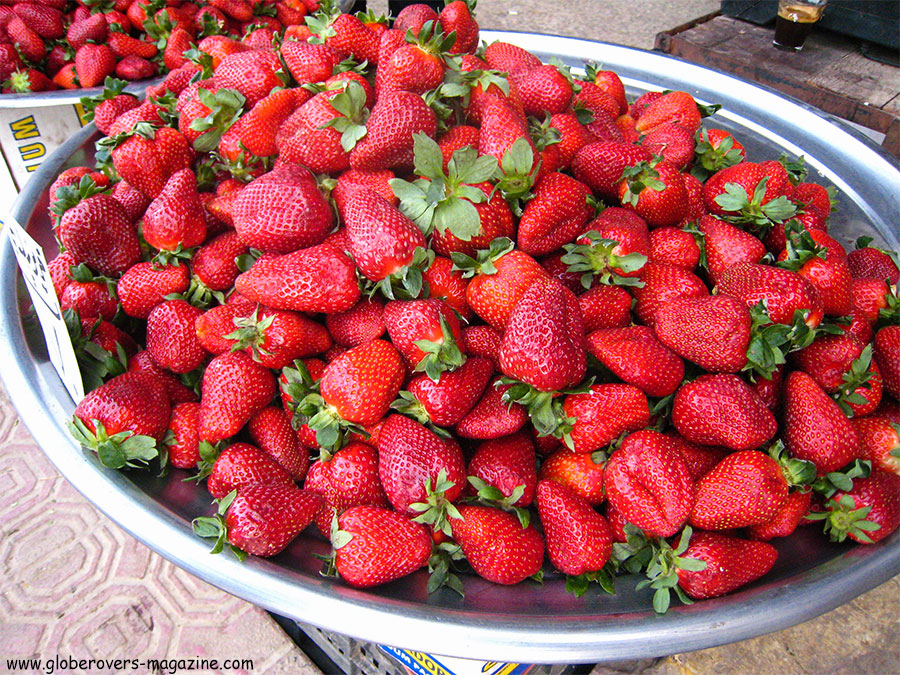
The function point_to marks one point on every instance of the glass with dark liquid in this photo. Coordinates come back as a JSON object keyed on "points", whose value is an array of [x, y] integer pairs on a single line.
{"points": [[795, 21]]}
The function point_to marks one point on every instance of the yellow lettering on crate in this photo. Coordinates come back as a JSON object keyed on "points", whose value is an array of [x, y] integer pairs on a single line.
{"points": [[428, 663], [501, 668], [32, 151], [24, 128], [81, 112]]}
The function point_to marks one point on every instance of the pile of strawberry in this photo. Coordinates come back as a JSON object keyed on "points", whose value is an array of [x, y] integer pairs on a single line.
{"points": [[68, 44], [508, 313]]}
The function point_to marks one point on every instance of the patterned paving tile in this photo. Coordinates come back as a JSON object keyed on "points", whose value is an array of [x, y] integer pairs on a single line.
{"points": [[73, 584]]}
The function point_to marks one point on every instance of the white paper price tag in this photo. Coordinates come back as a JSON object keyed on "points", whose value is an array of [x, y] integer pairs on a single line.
{"points": [[40, 287]]}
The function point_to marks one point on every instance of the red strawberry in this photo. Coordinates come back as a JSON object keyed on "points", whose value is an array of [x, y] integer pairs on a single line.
{"points": [[123, 419], [673, 142], [496, 545], [675, 247], [374, 545], [722, 410], [182, 440], [663, 283], [604, 413], [482, 341], [26, 39], [176, 217], [699, 459], [578, 538], [508, 58], [674, 106], [320, 133], [255, 133], [753, 197], [382, 240], [213, 264], [282, 211], [506, 464], [240, 465], [46, 21], [581, 473], [543, 344], [725, 245], [887, 353], [647, 481], [716, 149], [275, 337], [263, 519], [171, 339], [427, 333], [879, 442], [446, 401], [409, 457], [361, 323], [491, 417], [815, 428], [97, 232], [316, 279], [745, 488], [655, 190], [94, 28], [271, 431], [93, 64], [91, 299], [456, 17], [500, 281], [177, 391], [605, 307], [388, 142], [416, 67], [867, 513], [554, 216], [730, 563], [786, 519], [867, 262], [544, 90], [361, 383], [712, 331], [346, 479], [447, 283], [234, 388], [600, 165], [149, 157], [784, 292], [501, 126], [636, 356]]}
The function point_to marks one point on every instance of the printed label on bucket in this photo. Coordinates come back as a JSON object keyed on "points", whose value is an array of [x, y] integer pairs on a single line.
{"points": [[420, 663], [34, 268]]}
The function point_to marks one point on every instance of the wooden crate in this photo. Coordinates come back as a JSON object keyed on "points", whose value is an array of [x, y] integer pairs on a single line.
{"points": [[830, 72]]}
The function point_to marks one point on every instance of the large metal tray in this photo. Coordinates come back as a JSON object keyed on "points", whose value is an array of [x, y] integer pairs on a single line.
{"points": [[526, 623]]}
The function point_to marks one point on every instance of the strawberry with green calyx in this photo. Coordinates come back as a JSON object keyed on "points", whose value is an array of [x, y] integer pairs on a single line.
{"points": [[866, 513], [445, 401], [783, 291], [445, 202], [491, 417], [519, 169], [148, 155], [416, 66], [655, 190], [506, 465], [879, 442], [388, 248], [771, 342], [545, 408], [374, 545], [275, 337], [579, 541], [740, 194], [408, 456], [100, 348], [436, 510], [356, 390], [213, 527], [496, 545], [730, 562], [602, 414], [543, 344], [869, 262], [123, 420], [427, 333], [841, 479], [723, 245], [659, 561], [595, 257], [648, 482], [556, 214], [112, 88], [715, 149], [225, 107], [826, 269], [489, 495], [67, 196]]}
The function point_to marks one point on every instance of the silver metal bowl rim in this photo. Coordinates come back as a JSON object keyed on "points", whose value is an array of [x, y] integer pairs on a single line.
{"points": [[44, 99], [44, 406]]}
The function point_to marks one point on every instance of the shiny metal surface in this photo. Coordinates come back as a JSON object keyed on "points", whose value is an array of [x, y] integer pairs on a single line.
{"points": [[43, 99], [527, 623]]}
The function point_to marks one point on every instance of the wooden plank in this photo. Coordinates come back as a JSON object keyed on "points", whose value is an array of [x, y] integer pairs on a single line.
{"points": [[829, 73]]}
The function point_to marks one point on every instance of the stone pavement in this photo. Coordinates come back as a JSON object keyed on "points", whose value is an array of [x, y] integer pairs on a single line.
{"points": [[75, 585]]}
